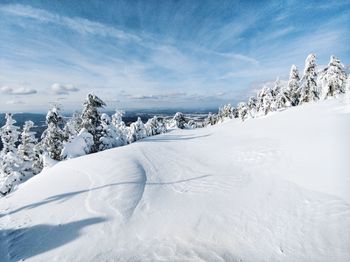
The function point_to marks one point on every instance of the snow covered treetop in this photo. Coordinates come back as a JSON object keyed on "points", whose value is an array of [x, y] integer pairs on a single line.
{"points": [[294, 72], [94, 101], [105, 119], [334, 61], [53, 115], [310, 61], [9, 120]]}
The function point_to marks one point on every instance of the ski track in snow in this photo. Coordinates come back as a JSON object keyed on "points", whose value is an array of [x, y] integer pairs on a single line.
{"points": [[261, 190]]}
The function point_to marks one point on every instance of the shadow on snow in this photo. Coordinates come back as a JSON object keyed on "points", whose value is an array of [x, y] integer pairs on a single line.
{"points": [[27, 242]]}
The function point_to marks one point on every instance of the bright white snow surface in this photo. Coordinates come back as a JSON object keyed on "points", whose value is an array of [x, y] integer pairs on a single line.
{"points": [[270, 189]]}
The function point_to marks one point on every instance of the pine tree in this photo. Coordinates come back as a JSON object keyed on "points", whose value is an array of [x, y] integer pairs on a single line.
{"points": [[294, 86], [72, 126], [211, 119], [91, 119], [10, 164], [309, 89], [252, 106], [53, 137], [191, 124], [265, 100], [225, 112], [122, 130], [155, 126], [333, 78], [282, 97], [179, 120], [109, 138], [26, 149], [9, 135], [242, 111], [137, 131]]}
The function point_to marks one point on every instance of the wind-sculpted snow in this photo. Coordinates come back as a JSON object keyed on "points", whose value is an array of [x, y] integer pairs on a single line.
{"points": [[268, 189]]}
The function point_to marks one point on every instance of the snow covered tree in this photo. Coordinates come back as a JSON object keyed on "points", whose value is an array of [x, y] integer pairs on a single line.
{"points": [[333, 78], [117, 118], [252, 106], [91, 119], [242, 111], [179, 120], [10, 172], [10, 164], [235, 112], [122, 130], [38, 163], [53, 137], [265, 100], [79, 145], [191, 124], [155, 126], [137, 131], [309, 90], [282, 96], [26, 149], [72, 126], [109, 137], [211, 119], [293, 88], [9, 135], [225, 112]]}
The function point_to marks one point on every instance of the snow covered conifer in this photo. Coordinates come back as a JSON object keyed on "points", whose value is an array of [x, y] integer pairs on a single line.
{"points": [[121, 128], [225, 112], [333, 78], [53, 137], [265, 100], [72, 126], [9, 135], [191, 124], [309, 90], [137, 131], [26, 149], [252, 106], [155, 126], [91, 119], [242, 111], [10, 164], [117, 118], [282, 98], [78, 145], [211, 119], [109, 138], [179, 120], [293, 88]]}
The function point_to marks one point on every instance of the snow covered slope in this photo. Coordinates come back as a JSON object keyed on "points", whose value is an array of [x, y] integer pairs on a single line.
{"points": [[269, 189]]}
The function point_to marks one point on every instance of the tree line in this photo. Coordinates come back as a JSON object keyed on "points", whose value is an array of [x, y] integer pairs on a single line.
{"points": [[312, 86], [91, 131]]}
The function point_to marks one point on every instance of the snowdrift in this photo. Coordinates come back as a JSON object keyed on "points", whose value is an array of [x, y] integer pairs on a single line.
{"points": [[270, 189]]}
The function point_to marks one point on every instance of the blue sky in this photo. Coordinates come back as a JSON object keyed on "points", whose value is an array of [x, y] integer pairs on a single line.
{"points": [[159, 54]]}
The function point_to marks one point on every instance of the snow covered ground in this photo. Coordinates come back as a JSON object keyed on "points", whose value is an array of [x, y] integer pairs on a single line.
{"points": [[270, 189]]}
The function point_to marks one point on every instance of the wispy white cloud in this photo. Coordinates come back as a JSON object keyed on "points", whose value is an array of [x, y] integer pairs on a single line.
{"points": [[239, 57], [80, 25], [60, 89], [17, 90], [14, 102]]}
